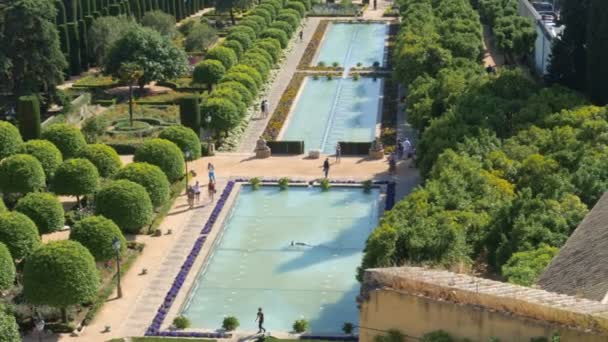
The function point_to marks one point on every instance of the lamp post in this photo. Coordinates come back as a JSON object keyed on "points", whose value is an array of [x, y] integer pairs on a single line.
{"points": [[210, 146], [187, 156], [116, 248], [40, 328]]}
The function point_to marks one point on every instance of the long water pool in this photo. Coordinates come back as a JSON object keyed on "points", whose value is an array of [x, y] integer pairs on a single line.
{"points": [[253, 265], [349, 44], [329, 111]]}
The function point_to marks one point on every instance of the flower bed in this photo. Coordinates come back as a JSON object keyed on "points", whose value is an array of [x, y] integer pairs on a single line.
{"points": [[335, 10], [313, 45], [282, 111]]}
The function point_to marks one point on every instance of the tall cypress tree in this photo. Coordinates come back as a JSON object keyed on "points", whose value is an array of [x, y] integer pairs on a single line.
{"points": [[597, 52], [568, 64]]}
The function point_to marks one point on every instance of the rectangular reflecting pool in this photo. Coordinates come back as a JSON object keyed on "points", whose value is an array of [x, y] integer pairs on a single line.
{"points": [[352, 43], [254, 265], [329, 111]]}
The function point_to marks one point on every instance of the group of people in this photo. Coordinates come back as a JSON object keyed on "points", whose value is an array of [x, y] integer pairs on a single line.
{"points": [[404, 150], [264, 109], [193, 192]]}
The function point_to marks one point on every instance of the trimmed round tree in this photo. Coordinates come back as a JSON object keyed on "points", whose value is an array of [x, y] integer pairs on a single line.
{"points": [[277, 34], [10, 139], [60, 274], [21, 173], [283, 25], [19, 234], [270, 45], [224, 114], [244, 93], [297, 6], [44, 209], [47, 154], [164, 154], [8, 327], [184, 138], [96, 233], [151, 177], [243, 79], [126, 203], [223, 54], [208, 72], [105, 159], [7, 269], [252, 72], [235, 46], [258, 62], [66, 138], [241, 37], [76, 177]]}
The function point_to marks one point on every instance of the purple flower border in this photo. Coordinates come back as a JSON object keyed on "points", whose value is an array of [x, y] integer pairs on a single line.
{"points": [[178, 282]]}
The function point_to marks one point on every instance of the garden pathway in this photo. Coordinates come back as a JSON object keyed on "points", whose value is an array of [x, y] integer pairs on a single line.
{"points": [[371, 14], [289, 66]]}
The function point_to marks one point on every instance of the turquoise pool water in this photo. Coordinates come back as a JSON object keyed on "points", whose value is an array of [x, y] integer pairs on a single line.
{"points": [[349, 44], [253, 264], [328, 111]]}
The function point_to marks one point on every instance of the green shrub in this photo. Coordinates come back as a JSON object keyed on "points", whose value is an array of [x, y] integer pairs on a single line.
{"points": [[290, 11], [258, 62], [184, 138], [44, 209], [164, 154], [59, 274], [28, 116], [259, 20], [252, 24], [230, 323], [300, 326], [248, 31], [243, 79], [263, 53], [94, 127], [47, 154], [225, 114], [270, 45], [348, 328], [437, 336], [307, 3], [244, 93], [232, 96], [277, 4], [234, 46], [19, 234], [297, 6], [367, 185], [161, 22], [66, 138], [260, 12], [189, 112], [76, 177], [283, 25], [209, 72], [284, 183], [223, 54], [8, 327], [10, 139], [255, 183], [242, 38], [277, 34], [7, 268], [290, 18], [200, 37], [126, 203], [151, 177], [97, 233], [325, 184], [181, 322], [21, 173], [104, 157], [2, 206], [268, 8], [251, 71], [392, 335]]}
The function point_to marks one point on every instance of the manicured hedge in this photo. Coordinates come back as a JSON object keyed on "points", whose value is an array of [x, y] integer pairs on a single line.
{"points": [[297, 6], [151, 177], [270, 45], [164, 154], [189, 112], [47, 154], [251, 71], [232, 96], [97, 234], [242, 38], [185, 138], [244, 92], [283, 25], [44, 209], [286, 147], [209, 72], [68, 139], [7, 270], [243, 79], [248, 31], [104, 157], [234, 46], [355, 148], [28, 115], [21, 173], [76, 177], [126, 203], [223, 54], [19, 233], [10, 139]]}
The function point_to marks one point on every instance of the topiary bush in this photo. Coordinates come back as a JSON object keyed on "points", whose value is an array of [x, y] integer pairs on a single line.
{"points": [[277, 34], [244, 93], [19, 234], [181, 322], [269, 8], [7, 269], [290, 18], [230, 323], [44, 209], [190, 113], [75, 177], [283, 25], [126, 203], [246, 30], [263, 53], [257, 61], [242, 38], [223, 54], [307, 3], [300, 326], [68, 139], [259, 21], [234, 46], [243, 79], [164, 154], [8, 327], [251, 71], [209, 72], [21, 173], [297, 6], [184, 138], [10, 139], [232, 96], [270, 45], [97, 233], [28, 115], [104, 157], [225, 114], [151, 177], [47, 154], [60, 274]]}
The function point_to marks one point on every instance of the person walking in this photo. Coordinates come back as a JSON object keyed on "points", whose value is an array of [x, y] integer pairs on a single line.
{"points": [[338, 153], [266, 109], [211, 190], [197, 192], [407, 148], [301, 35], [375, 4], [326, 167], [263, 109], [211, 171], [392, 164], [260, 319], [399, 148], [190, 194]]}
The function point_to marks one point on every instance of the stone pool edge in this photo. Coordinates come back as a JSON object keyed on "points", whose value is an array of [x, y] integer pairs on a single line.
{"points": [[168, 306]]}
